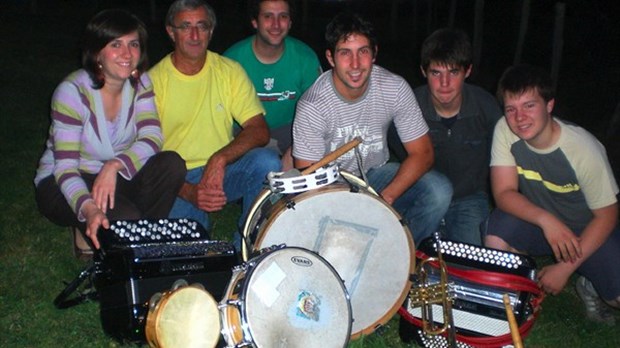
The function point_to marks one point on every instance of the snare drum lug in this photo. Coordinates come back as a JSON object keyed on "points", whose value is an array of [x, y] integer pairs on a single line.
{"points": [[238, 268], [228, 303], [290, 205]]}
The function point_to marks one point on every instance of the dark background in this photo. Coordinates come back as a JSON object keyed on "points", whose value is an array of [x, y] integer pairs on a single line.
{"points": [[588, 76], [39, 46]]}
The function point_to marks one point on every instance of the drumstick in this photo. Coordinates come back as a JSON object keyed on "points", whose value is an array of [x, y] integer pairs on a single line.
{"points": [[512, 322], [333, 155]]}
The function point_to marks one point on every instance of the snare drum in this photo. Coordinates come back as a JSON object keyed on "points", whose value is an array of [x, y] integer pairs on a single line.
{"points": [[186, 316], [359, 234], [286, 297]]}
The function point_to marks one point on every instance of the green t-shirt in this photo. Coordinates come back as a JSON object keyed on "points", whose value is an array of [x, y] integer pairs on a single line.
{"points": [[279, 85]]}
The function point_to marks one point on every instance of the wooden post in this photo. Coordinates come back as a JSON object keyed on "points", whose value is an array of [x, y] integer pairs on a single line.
{"points": [[304, 16], [394, 20], [429, 16], [414, 20], [558, 42], [153, 10], [477, 39], [452, 15], [525, 15]]}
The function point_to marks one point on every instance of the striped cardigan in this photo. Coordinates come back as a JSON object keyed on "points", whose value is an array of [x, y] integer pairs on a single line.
{"points": [[79, 140]]}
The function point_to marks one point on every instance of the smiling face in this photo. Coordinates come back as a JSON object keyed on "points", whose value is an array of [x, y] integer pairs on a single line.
{"points": [[352, 62], [445, 84], [191, 34], [529, 117], [120, 57], [273, 22]]}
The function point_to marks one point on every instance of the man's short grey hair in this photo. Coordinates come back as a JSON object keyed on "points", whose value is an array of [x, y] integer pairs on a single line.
{"points": [[185, 5]]}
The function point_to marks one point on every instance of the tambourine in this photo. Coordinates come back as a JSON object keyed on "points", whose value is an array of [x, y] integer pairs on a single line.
{"points": [[186, 316]]}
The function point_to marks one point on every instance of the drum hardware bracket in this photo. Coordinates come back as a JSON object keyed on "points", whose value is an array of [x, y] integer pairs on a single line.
{"points": [[235, 302], [353, 188]]}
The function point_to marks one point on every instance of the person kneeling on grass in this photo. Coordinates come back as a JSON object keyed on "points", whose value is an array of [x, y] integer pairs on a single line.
{"points": [[102, 159], [222, 169], [555, 194]]}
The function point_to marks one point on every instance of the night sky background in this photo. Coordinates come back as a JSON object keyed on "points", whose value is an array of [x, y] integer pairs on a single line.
{"points": [[588, 91]]}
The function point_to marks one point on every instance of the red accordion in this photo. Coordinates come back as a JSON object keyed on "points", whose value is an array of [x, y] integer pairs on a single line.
{"points": [[477, 278]]}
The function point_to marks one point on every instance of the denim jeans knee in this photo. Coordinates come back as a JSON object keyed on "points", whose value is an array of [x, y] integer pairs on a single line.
{"points": [[184, 209], [423, 205]]}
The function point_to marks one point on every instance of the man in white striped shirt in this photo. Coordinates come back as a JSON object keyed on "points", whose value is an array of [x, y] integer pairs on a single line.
{"points": [[357, 98]]}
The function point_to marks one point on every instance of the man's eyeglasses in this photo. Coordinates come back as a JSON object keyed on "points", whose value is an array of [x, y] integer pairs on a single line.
{"points": [[187, 28]]}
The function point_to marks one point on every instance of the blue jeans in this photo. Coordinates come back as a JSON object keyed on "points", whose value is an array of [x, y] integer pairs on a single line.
{"points": [[464, 217], [423, 205], [601, 267], [244, 179]]}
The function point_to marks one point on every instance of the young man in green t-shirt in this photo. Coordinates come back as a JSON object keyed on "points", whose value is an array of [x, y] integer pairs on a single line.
{"points": [[280, 67]]}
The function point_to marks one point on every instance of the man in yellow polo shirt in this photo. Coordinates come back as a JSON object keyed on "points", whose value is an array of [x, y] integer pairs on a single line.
{"points": [[199, 94]]}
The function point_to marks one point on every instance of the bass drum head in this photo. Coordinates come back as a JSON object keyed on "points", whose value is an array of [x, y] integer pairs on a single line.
{"points": [[361, 236], [185, 317], [264, 203], [294, 298]]}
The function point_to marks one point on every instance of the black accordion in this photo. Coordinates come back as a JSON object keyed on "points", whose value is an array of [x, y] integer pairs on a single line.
{"points": [[139, 258], [478, 278]]}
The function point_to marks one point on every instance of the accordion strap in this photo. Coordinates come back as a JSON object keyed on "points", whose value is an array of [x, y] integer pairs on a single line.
{"points": [[495, 279], [63, 299]]}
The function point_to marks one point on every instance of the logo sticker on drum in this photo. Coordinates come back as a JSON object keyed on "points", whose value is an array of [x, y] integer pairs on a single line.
{"points": [[308, 305], [301, 261]]}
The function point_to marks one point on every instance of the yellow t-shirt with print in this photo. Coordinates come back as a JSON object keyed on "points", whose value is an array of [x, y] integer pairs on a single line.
{"points": [[197, 112]]}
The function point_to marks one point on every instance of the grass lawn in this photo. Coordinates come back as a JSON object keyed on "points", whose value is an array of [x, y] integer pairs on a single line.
{"points": [[35, 255]]}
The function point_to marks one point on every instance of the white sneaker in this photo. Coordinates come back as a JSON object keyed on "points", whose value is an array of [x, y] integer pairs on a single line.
{"points": [[596, 309]]}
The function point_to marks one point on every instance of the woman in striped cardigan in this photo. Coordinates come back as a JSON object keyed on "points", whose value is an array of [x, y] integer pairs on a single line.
{"points": [[102, 159]]}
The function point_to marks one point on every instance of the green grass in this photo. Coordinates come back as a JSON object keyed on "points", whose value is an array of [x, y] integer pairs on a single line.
{"points": [[35, 255]]}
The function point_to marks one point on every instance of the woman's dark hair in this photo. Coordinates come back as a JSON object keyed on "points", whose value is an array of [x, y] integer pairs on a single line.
{"points": [[346, 24], [106, 26]]}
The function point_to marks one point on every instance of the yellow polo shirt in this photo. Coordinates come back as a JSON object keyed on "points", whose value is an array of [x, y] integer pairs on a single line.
{"points": [[197, 112]]}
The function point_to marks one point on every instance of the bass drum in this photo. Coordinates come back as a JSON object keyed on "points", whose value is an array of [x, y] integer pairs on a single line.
{"points": [[186, 316], [360, 235], [286, 297]]}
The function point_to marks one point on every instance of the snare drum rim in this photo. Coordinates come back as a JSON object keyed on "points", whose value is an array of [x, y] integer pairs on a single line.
{"points": [[231, 304]]}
